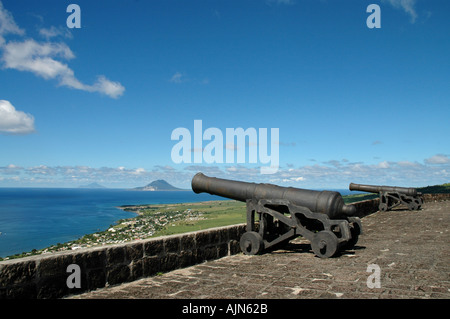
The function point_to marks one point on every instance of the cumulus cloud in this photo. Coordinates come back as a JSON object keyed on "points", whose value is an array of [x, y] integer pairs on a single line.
{"points": [[317, 176], [47, 59], [13, 121], [7, 24], [38, 58], [54, 32], [407, 6], [44, 60], [438, 159]]}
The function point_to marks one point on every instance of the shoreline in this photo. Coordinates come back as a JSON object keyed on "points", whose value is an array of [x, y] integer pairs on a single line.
{"points": [[149, 220]]}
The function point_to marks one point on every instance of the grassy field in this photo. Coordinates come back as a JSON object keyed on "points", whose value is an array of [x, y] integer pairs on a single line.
{"points": [[212, 214]]}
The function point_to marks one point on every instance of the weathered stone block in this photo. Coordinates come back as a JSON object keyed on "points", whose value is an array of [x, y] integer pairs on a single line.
{"points": [[187, 258], [115, 255], [17, 273], [136, 269], [210, 253], [172, 245], [236, 232], [93, 259], [202, 239], [151, 265], [51, 287], [187, 242], [134, 251], [223, 235], [234, 247], [54, 266], [222, 250], [118, 274], [96, 278], [153, 247], [170, 262], [27, 291], [214, 237]]}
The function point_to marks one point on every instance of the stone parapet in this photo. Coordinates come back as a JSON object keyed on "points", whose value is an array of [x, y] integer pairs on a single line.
{"points": [[46, 276]]}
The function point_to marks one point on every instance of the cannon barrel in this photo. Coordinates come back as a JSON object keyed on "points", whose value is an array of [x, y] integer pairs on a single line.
{"points": [[378, 189], [326, 202]]}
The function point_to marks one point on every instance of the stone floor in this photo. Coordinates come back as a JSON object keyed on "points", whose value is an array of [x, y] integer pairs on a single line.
{"points": [[408, 251]]}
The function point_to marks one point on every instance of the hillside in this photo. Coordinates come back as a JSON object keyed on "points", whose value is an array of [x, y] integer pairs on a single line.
{"points": [[435, 189], [158, 185]]}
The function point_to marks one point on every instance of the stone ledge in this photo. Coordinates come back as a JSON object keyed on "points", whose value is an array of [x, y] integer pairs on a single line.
{"points": [[45, 276]]}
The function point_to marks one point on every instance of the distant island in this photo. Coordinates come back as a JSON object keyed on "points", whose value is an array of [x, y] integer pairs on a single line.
{"points": [[92, 185], [158, 185]]}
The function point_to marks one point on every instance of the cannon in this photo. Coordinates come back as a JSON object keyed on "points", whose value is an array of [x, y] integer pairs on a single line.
{"points": [[392, 196], [285, 213]]}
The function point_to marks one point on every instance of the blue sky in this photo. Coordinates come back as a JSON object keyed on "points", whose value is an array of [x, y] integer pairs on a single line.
{"points": [[99, 103]]}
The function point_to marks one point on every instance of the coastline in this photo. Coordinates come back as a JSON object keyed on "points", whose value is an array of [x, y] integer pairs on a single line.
{"points": [[151, 220]]}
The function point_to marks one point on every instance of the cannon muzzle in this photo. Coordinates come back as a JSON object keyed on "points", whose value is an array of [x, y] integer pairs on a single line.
{"points": [[326, 202], [378, 189]]}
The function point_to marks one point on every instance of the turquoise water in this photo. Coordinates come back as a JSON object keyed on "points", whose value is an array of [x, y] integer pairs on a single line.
{"points": [[35, 218]]}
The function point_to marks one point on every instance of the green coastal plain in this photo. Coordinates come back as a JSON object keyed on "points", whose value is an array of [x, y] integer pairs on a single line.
{"points": [[168, 219]]}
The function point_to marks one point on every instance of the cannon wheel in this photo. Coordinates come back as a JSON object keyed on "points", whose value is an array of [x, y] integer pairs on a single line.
{"points": [[324, 244], [251, 243], [355, 230], [383, 207]]}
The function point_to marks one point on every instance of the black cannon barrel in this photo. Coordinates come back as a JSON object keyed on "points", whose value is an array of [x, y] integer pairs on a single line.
{"points": [[326, 202], [378, 189]]}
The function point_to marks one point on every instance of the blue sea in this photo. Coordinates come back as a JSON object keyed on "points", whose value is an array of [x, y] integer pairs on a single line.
{"points": [[35, 218]]}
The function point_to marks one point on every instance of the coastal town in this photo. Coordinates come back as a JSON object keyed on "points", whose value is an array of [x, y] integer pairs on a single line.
{"points": [[152, 221]]}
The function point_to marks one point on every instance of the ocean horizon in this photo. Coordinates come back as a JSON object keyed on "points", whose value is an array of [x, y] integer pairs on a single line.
{"points": [[36, 218]]}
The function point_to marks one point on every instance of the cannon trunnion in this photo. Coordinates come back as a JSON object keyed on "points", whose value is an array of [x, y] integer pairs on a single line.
{"points": [[285, 213], [392, 196]]}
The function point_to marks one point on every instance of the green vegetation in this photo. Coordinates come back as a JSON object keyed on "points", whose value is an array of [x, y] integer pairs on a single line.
{"points": [[205, 215], [436, 189]]}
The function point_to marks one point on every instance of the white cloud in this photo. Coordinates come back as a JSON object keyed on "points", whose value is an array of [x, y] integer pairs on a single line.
{"points": [[405, 5], [13, 121], [54, 32], [176, 78], [404, 173], [47, 59], [383, 164], [42, 59], [438, 159], [7, 24], [107, 87], [38, 58]]}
